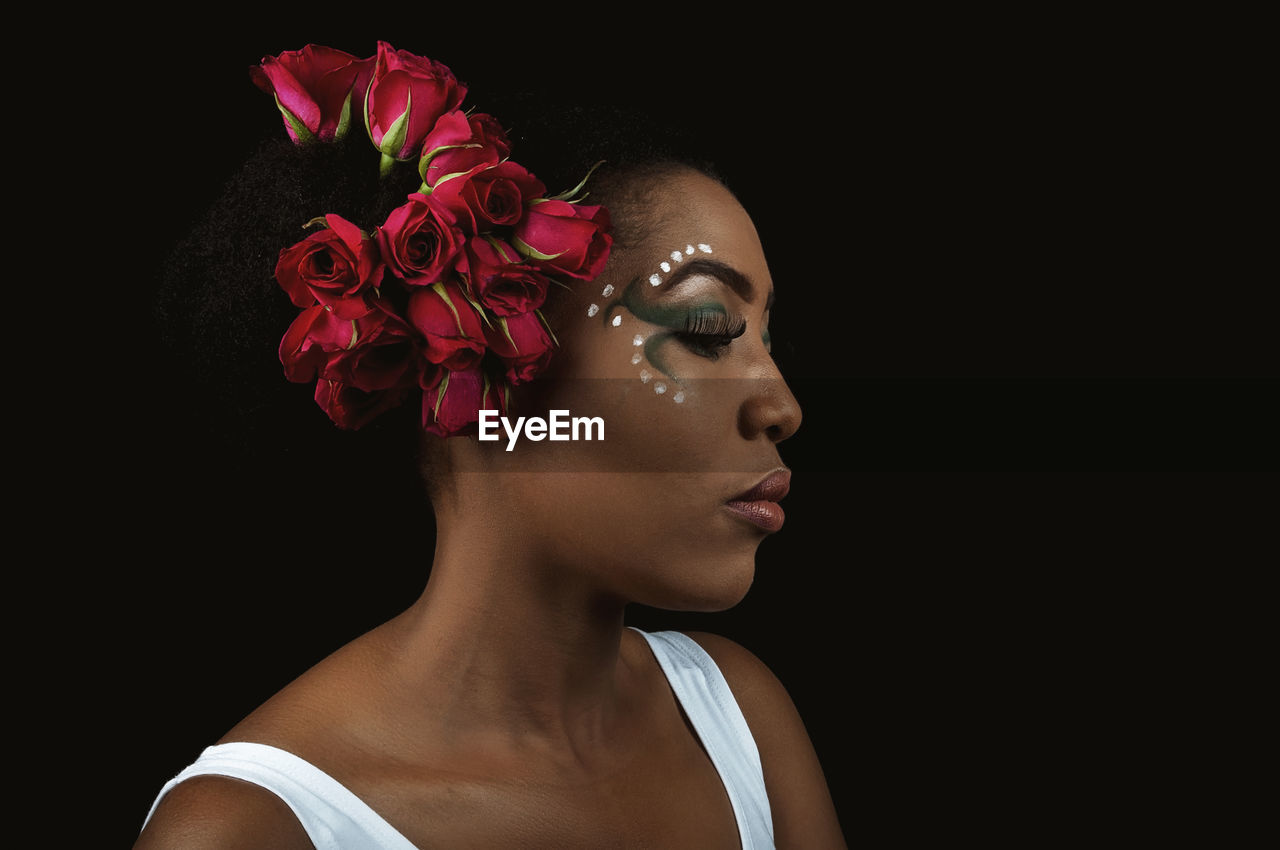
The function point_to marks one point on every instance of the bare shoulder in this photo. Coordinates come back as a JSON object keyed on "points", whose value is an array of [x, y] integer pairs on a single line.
{"points": [[207, 812], [803, 812]]}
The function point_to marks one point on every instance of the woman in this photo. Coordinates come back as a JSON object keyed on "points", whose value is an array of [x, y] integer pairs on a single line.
{"points": [[510, 705]]}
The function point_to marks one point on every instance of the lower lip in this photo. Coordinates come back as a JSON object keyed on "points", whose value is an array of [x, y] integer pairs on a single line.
{"points": [[767, 515]]}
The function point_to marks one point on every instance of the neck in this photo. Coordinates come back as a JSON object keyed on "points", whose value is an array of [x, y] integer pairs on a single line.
{"points": [[504, 641]]}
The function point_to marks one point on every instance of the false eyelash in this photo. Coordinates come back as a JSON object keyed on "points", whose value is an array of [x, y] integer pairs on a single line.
{"points": [[708, 333], [714, 324]]}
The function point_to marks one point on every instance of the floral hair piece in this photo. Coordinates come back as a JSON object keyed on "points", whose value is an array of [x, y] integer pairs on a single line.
{"points": [[442, 299]]}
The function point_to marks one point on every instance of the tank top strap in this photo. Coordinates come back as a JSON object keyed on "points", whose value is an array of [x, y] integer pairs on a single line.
{"points": [[704, 694], [333, 817]]}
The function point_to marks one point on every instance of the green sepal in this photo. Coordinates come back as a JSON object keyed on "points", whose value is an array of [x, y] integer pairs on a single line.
{"points": [[502, 323], [385, 166], [393, 139], [425, 161], [355, 335], [524, 249], [305, 136], [472, 301], [444, 387], [344, 119], [439, 288], [566, 196], [499, 247], [318, 220], [547, 325], [446, 179]]}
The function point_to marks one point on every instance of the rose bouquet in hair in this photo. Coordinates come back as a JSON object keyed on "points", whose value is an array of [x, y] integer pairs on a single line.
{"points": [[441, 300]]}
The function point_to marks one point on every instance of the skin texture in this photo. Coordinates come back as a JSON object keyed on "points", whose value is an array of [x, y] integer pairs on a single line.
{"points": [[509, 706]]}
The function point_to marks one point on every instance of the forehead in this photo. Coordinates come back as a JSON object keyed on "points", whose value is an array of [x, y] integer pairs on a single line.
{"points": [[695, 210]]}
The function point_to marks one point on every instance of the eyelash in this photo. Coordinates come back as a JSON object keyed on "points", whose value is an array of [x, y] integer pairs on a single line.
{"points": [[708, 333]]}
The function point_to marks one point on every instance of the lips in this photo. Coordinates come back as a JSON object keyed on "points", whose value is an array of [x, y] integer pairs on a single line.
{"points": [[759, 505]]}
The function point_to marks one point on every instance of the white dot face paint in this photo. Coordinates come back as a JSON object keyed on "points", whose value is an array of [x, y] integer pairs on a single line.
{"points": [[608, 290], [593, 309], [655, 279]]}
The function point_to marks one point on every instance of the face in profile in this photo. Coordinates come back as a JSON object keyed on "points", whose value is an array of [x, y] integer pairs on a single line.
{"points": [[670, 348]]}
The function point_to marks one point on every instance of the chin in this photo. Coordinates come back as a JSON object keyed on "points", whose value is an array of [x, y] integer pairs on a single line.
{"points": [[718, 587]]}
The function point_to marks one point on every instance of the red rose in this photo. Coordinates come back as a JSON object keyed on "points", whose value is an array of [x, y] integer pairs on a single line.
{"points": [[318, 333], [313, 89], [567, 238], [352, 408], [406, 95], [460, 144], [501, 283], [453, 400], [333, 266], [523, 344], [420, 240], [453, 328], [491, 196], [383, 355]]}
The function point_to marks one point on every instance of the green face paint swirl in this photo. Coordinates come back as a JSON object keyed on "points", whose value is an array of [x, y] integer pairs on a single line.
{"points": [[676, 319]]}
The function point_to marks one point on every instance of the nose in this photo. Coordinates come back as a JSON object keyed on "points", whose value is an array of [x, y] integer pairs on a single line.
{"points": [[770, 408]]}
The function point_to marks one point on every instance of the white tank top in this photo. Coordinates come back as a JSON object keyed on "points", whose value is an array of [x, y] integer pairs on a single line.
{"points": [[336, 819]]}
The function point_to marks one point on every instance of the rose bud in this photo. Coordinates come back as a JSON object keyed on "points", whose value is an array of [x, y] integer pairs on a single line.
{"points": [[450, 323], [491, 196], [460, 144], [454, 399], [523, 344], [420, 240], [406, 95], [567, 238], [352, 408], [334, 266], [499, 280], [313, 89]]}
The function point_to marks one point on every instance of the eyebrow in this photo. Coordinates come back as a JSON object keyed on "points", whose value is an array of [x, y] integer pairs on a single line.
{"points": [[726, 274]]}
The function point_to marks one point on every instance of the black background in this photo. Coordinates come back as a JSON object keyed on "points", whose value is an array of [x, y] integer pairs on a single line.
{"points": [[1017, 302]]}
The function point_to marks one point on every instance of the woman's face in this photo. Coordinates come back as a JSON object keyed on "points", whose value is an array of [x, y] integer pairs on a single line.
{"points": [[670, 348]]}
